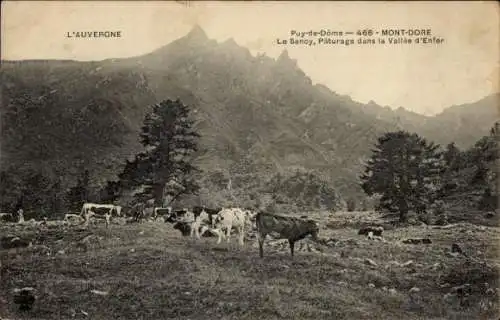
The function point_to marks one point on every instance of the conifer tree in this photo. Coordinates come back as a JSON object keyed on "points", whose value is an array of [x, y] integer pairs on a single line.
{"points": [[405, 170]]}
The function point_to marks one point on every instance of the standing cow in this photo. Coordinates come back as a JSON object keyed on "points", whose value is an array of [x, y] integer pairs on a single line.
{"points": [[231, 218], [293, 229]]}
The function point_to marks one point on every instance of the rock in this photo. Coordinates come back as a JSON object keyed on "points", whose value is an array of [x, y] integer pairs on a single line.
{"points": [[10, 242], [449, 298], [414, 290], [24, 297], [371, 285], [100, 293], [392, 291], [375, 230], [463, 290], [490, 292], [489, 215], [407, 263], [455, 248], [370, 262], [417, 241]]}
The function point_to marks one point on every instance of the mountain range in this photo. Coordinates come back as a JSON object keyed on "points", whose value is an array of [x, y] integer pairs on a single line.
{"points": [[257, 115]]}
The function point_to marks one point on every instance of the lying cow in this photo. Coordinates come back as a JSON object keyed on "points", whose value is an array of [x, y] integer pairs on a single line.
{"points": [[111, 207], [200, 222], [212, 213], [176, 215], [185, 229], [293, 229]]}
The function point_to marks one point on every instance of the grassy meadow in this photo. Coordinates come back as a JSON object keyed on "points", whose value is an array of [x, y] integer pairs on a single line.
{"points": [[149, 271]]}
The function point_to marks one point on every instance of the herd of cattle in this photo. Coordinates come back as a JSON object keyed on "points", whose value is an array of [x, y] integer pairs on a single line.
{"points": [[202, 221]]}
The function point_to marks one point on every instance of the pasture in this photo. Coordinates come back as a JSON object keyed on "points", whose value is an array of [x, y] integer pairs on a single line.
{"points": [[149, 271]]}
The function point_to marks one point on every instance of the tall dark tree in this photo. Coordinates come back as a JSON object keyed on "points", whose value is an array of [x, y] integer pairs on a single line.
{"points": [[453, 162], [404, 169], [79, 194], [11, 189], [170, 141], [484, 158], [110, 192]]}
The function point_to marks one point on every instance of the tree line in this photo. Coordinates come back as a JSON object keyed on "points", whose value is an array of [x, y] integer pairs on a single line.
{"points": [[406, 171], [413, 174]]}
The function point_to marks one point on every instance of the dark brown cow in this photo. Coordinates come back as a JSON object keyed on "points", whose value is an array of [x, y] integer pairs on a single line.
{"points": [[293, 229]]}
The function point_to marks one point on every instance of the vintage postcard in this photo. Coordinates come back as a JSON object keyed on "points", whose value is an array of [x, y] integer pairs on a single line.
{"points": [[249, 160]]}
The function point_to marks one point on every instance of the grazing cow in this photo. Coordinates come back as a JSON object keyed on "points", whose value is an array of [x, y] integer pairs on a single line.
{"points": [[293, 229], [110, 207], [99, 213], [232, 218], [185, 229]]}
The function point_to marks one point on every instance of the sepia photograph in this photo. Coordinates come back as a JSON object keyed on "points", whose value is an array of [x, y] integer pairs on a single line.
{"points": [[250, 160]]}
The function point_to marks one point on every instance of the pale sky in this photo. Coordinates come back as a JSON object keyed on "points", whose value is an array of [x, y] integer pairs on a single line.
{"points": [[422, 78]]}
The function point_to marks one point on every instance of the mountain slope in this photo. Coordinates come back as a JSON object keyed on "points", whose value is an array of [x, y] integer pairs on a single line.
{"points": [[256, 114]]}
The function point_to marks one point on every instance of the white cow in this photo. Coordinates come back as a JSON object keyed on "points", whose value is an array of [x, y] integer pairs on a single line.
{"points": [[88, 212], [232, 218], [86, 206], [162, 211]]}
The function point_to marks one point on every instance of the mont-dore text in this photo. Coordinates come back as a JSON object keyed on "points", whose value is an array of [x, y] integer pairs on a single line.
{"points": [[94, 34]]}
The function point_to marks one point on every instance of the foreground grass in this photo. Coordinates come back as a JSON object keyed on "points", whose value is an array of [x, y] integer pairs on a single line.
{"points": [[149, 271]]}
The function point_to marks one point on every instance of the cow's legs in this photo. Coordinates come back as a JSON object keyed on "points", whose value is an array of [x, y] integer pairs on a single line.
{"points": [[292, 244], [197, 230], [241, 235], [192, 232], [108, 217], [203, 230], [228, 233], [219, 235], [261, 238]]}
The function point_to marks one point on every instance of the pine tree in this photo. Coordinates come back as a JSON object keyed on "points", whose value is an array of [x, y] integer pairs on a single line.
{"points": [[170, 142], [405, 170], [79, 194], [485, 157], [11, 188]]}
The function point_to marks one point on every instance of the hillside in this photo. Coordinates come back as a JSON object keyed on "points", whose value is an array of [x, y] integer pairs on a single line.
{"points": [[256, 114]]}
